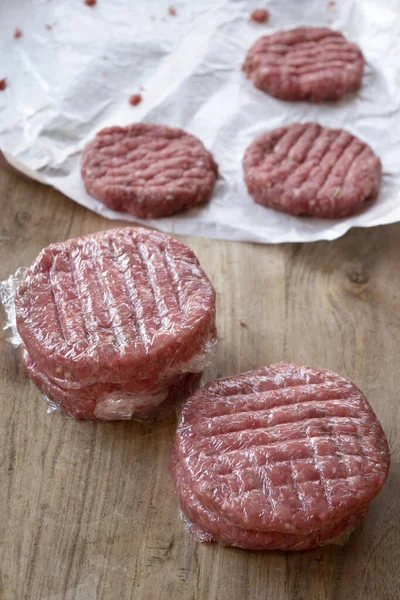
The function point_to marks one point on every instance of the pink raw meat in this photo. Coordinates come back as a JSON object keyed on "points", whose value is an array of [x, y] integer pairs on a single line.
{"points": [[148, 170], [120, 305], [285, 449], [108, 402], [305, 63], [118, 324], [207, 526], [307, 169]]}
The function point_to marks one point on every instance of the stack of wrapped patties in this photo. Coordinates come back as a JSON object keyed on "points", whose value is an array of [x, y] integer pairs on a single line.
{"points": [[116, 325], [285, 457]]}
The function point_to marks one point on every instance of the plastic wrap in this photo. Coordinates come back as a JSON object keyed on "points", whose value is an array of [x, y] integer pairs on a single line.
{"points": [[284, 457], [115, 325]]}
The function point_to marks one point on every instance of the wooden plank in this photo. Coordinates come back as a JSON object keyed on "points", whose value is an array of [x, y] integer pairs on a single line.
{"points": [[88, 510]]}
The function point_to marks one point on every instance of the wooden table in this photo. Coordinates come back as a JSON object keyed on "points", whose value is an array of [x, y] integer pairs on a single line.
{"points": [[88, 511]]}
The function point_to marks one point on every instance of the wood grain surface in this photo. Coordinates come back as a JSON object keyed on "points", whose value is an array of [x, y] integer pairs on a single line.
{"points": [[88, 511]]}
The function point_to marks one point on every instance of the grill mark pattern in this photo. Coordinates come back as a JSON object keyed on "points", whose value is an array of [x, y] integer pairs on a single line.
{"points": [[286, 133], [277, 409], [277, 167], [117, 334], [85, 277], [277, 44], [78, 295], [153, 285], [320, 162], [322, 479], [304, 161], [307, 50], [295, 488], [327, 174], [288, 66], [150, 324], [314, 460], [304, 70], [173, 277], [341, 157], [302, 436], [278, 392], [267, 487], [52, 291], [136, 315], [164, 278], [339, 452], [284, 159], [337, 447], [153, 163], [71, 340], [329, 434], [352, 163], [284, 463]]}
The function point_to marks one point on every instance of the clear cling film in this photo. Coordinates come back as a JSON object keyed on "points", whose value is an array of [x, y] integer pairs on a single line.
{"points": [[114, 325], [8, 289], [285, 457]]}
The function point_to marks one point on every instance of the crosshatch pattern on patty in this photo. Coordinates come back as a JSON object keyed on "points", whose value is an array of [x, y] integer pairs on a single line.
{"points": [[301, 448]]}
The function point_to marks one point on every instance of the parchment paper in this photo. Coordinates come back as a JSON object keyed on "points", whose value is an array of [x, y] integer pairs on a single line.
{"points": [[68, 81]]}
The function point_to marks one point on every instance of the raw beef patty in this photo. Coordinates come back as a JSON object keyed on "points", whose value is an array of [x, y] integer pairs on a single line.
{"points": [[128, 310], [305, 63], [111, 401], [148, 170], [284, 457], [307, 169]]}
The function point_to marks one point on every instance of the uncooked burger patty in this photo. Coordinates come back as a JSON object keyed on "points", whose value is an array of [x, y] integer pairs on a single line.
{"points": [[307, 169], [111, 401], [127, 311], [148, 170], [305, 63], [284, 457]]}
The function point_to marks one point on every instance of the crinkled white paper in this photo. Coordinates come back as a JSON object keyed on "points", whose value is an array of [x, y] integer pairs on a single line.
{"points": [[67, 82]]}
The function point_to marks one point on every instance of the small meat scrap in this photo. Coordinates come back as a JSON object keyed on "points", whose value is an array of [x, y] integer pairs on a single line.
{"points": [[305, 63], [259, 15], [172, 11], [135, 99], [285, 457], [307, 169], [3, 84], [331, 4], [148, 170], [243, 323], [17, 33], [90, 2]]}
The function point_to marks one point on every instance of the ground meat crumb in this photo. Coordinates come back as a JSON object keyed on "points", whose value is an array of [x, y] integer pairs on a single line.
{"points": [[3, 84], [259, 15], [90, 2], [172, 11], [48, 26], [17, 33], [332, 3], [243, 323], [135, 99]]}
